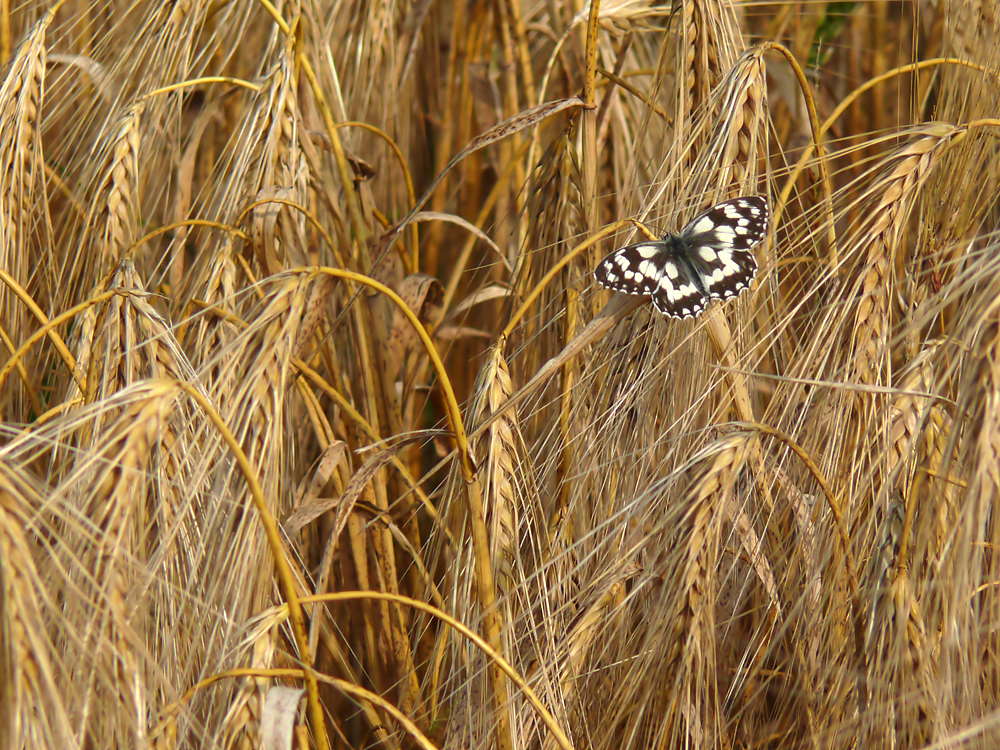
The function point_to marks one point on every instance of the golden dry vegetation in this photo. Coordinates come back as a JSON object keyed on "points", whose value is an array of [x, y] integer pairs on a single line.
{"points": [[317, 431]]}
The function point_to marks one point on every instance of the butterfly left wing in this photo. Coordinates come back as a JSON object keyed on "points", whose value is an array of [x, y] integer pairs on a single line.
{"points": [[720, 242], [634, 269], [654, 269]]}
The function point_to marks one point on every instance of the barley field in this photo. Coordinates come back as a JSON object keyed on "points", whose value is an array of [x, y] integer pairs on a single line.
{"points": [[318, 432]]}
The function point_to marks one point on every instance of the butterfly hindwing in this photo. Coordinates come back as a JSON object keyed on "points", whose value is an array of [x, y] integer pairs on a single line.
{"points": [[680, 301], [723, 272], [710, 258]]}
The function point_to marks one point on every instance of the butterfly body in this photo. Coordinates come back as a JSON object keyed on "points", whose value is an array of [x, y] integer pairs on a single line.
{"points": [[708, 259]]}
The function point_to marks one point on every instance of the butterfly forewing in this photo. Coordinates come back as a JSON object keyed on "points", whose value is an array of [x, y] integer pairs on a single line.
{"points": [[635, 269], [710, 258]]}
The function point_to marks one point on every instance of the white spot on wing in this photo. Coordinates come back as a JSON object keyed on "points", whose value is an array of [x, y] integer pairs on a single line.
{"points": [[726, 258], [648, 269], [684, 291], [704, 224]]}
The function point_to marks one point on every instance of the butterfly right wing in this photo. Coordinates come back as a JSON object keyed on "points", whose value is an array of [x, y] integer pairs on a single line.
{"points": [[720, 243], [634, 269]]}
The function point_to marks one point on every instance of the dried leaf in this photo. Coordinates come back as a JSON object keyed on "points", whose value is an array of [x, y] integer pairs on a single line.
{"points": [[470, 227], [346, 502], [308, 503], [453, 333], [487, 293], [423, 295]]}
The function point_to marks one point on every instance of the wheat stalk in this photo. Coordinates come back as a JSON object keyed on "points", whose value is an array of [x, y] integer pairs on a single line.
{"points": [[894, 192], [121, 186], [694, 623], [498, 452], [907, 417], [897, 647], [34, 711], [22, 210]]}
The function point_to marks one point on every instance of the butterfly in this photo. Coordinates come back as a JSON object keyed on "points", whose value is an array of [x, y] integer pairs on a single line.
{"points": [[708, 259]]}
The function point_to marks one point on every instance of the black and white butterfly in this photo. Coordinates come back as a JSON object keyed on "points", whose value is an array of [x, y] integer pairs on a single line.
{"points": [[708, 259]]}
